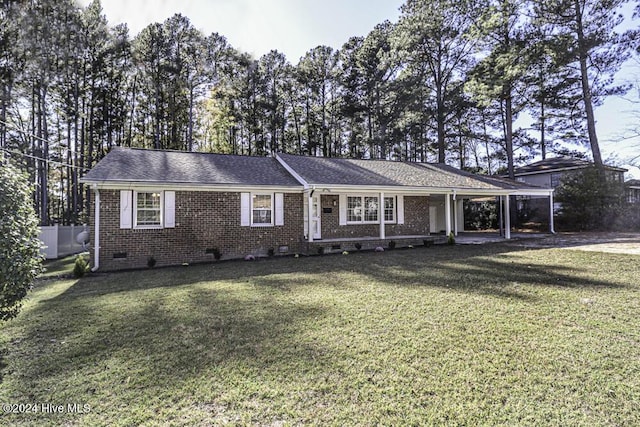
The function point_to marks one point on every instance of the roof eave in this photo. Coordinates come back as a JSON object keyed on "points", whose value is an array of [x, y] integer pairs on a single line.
{"points": [[343, 188], [186, 186]]}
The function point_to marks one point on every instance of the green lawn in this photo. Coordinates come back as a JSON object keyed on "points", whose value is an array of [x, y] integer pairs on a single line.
{"points": [[455, 335]]}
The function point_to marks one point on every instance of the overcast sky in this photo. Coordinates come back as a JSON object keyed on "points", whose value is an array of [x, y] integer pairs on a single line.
{"points": [[294, 27]]}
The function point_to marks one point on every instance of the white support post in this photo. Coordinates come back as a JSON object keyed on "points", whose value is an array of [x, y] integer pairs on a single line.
{"points": [[310, 222], [507, 218], [447, 213], [381, 216], [552, 228], [455, 215]]}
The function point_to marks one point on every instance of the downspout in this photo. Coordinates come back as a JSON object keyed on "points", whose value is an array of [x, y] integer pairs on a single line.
{"points": [[96, 229]]}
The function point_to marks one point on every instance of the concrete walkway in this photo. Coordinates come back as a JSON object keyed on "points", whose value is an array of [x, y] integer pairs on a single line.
{"points": [[613, 242]]}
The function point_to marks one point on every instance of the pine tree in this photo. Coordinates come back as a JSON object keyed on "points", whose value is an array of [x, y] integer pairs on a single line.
{"points": [[595, 49]]}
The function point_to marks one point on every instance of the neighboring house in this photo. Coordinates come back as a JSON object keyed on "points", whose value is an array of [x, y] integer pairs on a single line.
{"points": [[179, 207], [632, 190], [549, 173]]}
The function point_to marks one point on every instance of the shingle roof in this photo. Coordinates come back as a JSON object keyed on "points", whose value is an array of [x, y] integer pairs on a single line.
{"points": [[353, 172], [125, 165], [558, 163], [151, 166], [632, 183]]}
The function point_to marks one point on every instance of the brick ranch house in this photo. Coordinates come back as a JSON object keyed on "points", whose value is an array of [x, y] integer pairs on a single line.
{"points": [[179, 207]]}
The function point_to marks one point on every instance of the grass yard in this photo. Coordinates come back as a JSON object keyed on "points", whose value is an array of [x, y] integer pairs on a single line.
{"points": [[461, 335]]}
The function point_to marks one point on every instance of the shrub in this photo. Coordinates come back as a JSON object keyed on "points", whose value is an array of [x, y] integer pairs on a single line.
{"points": [[80, 267], [20, 258], [589, 202], [451, 239], [271, 252], [358, 245], [151, 262], [320, 250], [217, 254], [392, 244], [480, 215], [628, 218]]}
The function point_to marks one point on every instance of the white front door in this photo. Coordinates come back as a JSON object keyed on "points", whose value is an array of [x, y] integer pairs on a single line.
{"points": [[316, 212]]}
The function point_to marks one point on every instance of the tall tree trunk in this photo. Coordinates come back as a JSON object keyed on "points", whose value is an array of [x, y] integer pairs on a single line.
{"points": [[586, 90], [440, 123], [508, 136]]}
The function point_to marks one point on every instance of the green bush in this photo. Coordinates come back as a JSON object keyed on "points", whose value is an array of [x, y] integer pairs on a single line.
{"points": [[480, 215], [589, 201], [20, 258], [81, 267]]}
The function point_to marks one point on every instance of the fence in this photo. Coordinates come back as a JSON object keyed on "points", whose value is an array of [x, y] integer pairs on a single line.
{"points": [[60, 241]]}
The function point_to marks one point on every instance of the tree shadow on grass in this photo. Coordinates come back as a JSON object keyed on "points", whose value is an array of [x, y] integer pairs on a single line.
{"points": [[466, 268], [161, 329], [162, 343]]}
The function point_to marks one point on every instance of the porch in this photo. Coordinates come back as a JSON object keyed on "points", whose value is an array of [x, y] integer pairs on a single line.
{"points": [[339, 245]]}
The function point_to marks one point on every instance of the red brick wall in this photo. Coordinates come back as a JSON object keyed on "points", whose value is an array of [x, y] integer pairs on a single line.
{"points": [[204, 220], [416, 220]]}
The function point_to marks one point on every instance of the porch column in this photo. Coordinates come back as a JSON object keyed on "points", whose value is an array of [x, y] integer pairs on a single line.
{"points": [[447, 213], [552, 228], [381, 215], [455, 215], [507, 218], [310, 215]]}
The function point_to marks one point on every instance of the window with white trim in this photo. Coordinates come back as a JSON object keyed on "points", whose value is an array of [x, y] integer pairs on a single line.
{"points": [[389, 209], [354, 209], [365, 209], [371, 209], [147, 209], [262, 209]]}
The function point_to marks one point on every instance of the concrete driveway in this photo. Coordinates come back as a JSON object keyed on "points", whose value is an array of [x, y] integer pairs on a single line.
{"points": [[614, 242]]}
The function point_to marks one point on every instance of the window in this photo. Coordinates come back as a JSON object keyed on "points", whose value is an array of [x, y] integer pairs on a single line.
{"points": [[262, 209], [147, 209], [365, 209], [371, 209], [148, 206], [354, 209], [389, 209]]}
